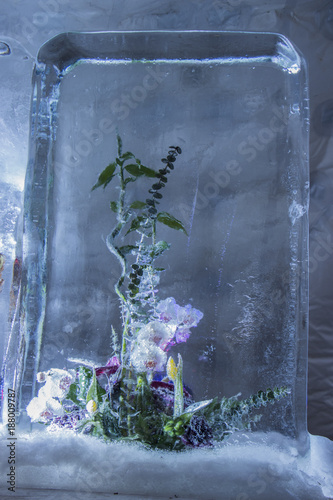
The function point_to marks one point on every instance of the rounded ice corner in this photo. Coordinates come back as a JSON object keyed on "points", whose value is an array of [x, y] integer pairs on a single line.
{"points": [[58, 51], [288, 56]]}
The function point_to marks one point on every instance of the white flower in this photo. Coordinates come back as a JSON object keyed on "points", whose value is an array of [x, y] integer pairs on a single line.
{"points": [[57, 383], [42, 410], [46, 405], [168, 310], [157, 333], [146, 356], [91, 407], [171, 312], [41, 377]]}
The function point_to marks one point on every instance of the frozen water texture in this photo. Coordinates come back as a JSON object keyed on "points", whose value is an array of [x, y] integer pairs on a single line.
{"points": [[296, 211], [256, 466]]}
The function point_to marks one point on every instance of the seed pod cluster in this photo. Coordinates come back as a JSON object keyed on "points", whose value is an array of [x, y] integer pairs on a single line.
{"points": [[173, 152], [135, 277]]}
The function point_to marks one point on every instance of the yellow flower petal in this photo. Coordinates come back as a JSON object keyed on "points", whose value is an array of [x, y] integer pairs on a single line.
{"points": [[171, 369]]}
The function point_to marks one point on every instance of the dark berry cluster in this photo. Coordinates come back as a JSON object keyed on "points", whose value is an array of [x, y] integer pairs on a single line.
{"points": [[198, 433], [173, 152], [135, 277]]}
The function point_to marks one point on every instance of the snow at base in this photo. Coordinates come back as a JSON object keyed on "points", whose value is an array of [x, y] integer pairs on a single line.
{"points": [[246, 467]]}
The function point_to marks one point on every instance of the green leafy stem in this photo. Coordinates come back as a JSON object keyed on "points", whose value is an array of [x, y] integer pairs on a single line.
{"points": [[199, 424], [140, 217]]}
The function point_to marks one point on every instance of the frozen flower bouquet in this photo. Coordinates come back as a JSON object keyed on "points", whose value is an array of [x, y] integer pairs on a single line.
{"points": [[139, 394]]}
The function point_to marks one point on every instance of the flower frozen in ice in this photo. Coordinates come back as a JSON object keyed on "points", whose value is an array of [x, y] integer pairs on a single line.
{"points": [[110, 368], [41, 377], [46, 405], [189, 316], [91, 407], [157, 333], [43, 410], [171, 313], [146, 356], [164, 394], [179, 318], [57, 383], [168, 310], [147, 353]]}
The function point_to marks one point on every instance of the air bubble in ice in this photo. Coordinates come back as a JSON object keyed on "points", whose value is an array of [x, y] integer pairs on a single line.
{"points": [[293, 69], [4, 49], [295, 109], [296, 211]]}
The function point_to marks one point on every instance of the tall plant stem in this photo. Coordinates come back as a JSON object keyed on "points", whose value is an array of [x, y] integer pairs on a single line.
{"points": [[153, 238]]}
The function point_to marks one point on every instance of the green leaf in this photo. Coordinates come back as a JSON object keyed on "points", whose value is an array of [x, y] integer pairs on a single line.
{"points": [[134, 170], [129, 179], [159, 248], [170, 221], [106, 176], [198, 406], [137, 170], [109, 420], [138, 205], [136, 223], [127, 249], [114, 206], [127, 156], [148, 172], [95, 391], [85, 375], [72, 394]]}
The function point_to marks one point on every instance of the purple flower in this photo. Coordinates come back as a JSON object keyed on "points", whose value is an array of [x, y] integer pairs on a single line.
{"points": [[164, 392], [182, 334], [70, 420], [109, 369], [181, 319]]}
